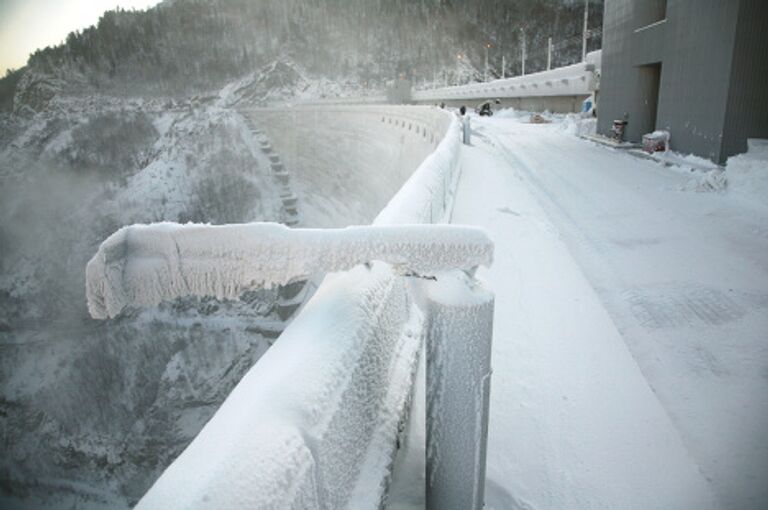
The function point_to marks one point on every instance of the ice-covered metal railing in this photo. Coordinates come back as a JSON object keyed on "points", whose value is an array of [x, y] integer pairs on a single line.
{"points": [[575, 80], [144, 265], [353, 100], [313, 423]]}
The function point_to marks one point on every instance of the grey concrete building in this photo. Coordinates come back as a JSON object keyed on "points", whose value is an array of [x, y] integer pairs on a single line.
{"points": [[698, 68]]}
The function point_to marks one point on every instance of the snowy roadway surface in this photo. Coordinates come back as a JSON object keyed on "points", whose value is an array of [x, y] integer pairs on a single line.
{"points": [[631, 331]]}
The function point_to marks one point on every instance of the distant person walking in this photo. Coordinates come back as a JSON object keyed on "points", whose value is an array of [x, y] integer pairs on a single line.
{"points": [[465, 129]]}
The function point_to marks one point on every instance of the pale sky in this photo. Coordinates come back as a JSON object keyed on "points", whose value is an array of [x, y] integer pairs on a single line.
{"points": [[26, 25]]}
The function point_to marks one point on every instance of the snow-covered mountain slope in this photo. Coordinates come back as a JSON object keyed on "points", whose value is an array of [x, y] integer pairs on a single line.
{"points": [[94, 412]]}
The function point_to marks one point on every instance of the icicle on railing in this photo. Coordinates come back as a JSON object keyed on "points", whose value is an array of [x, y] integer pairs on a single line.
{"points": [[143, 265]]}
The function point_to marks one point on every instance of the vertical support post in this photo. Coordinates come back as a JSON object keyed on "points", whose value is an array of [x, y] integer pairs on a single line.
{"points": [[459, 335], [459, 57], [584, 36], [503, 66], [549, 54], [485, 74], [522, 50]]}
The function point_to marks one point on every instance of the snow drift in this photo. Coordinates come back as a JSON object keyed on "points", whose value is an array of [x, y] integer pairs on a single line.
{"points": [[748, 173]]}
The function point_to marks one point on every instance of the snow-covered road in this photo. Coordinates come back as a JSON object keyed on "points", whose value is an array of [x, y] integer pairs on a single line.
{"points": [[630, 347]]}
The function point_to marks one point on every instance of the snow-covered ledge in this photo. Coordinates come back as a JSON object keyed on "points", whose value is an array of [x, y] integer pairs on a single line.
{"points": [[314, 424]]}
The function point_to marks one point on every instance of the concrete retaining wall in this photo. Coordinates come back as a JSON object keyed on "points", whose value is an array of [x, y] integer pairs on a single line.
{"points": [[351, 159]]}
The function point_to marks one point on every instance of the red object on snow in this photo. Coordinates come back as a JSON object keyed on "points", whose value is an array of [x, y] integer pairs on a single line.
{"points": [[658, 141]]}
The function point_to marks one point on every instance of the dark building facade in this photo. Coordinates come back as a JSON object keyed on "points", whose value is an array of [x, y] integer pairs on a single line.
{"points": [[697, 68]]}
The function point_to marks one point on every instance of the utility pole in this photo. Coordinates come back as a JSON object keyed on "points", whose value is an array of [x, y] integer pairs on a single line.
{"points": [[522, 50], [503, 66], [549, 54], [584, 38]]}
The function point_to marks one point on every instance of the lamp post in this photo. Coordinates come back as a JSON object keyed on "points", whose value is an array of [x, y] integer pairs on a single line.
{"points": [[487, 47], [584, 36], [459, 58], [549, 54]]}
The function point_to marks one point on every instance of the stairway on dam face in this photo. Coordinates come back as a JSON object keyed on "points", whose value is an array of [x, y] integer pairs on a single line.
{"points": [[346, 163], [336, 167], [292, 296], [279, 173]]}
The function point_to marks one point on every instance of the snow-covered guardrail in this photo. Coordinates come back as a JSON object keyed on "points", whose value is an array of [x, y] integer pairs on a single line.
{"points": [[575, 80], [315, 423], [352, 100]]}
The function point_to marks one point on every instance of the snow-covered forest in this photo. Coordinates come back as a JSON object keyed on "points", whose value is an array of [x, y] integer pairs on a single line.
{"points": [[188, 46]]}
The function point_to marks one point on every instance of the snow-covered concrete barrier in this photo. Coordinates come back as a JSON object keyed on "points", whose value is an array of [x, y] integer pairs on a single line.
{"points": [[312, 425], [144, 265], [315, 423]]}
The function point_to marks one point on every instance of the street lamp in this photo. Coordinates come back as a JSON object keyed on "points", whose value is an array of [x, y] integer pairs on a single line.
{"points": [[487, 47], [586, 32]]}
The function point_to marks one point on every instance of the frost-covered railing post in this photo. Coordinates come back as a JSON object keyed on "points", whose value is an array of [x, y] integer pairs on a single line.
{"points": [[459, 330]]}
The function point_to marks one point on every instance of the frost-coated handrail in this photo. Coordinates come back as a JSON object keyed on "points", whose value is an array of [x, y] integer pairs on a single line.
{"points": [[144, 265], [314, 423]]}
